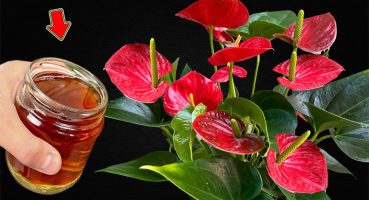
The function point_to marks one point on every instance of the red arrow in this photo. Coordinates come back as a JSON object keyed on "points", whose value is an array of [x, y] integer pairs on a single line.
{"points": [[58, 26]]}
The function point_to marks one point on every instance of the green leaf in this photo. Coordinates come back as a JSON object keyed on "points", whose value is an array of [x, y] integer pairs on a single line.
{"points": [[132, 168], [185, 70], [279, 114], [264, 29], [263, 196], [323, 120], [173, 73], [171, 77], [183, 135], [241, 108], [344, 106], [296, 196], [127, 110], [216, 178], [265, 24], [353, 141], [334, 165]]}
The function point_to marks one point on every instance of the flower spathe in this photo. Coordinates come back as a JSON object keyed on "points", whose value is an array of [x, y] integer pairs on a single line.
{"points": [[129, 69], [217, 13], [304, 171], [214, 127], [312, 71], [247, 49], [203, 90], [318, 33], [222, 74]]}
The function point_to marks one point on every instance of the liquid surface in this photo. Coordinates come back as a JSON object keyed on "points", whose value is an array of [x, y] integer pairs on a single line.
{"points": [[70, 92], [73, 139]]}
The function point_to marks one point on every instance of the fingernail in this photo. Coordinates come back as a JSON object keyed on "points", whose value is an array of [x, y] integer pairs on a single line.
{"points": [[51, 164]]}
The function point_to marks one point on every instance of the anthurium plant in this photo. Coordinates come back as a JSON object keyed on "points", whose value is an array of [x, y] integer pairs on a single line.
{"points": [[226, 146]]}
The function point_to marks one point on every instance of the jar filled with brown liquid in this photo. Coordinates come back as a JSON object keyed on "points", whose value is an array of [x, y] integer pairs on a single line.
{"points": [[63, 104]]}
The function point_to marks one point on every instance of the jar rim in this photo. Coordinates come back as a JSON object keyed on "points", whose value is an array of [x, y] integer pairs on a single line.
{"points": [[80, 73]]}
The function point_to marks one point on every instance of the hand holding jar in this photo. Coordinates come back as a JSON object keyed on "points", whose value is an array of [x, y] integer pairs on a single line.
{"points": [[51, 120], [14, 136]]}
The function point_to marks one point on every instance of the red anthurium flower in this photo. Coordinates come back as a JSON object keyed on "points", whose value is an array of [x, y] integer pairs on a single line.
{"points": [[220, 34], [221, 75], [217, 13], [246, 50], [312, 71], [318, 33], [204, 91], [214, 127], [129, 69], [304, 171]]}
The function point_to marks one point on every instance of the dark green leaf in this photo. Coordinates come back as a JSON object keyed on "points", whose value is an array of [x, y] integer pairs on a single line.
{"points": [[297, 196], [216, 178], [347, 98], [183, 135], [132, 168], [334, 165], [265, 24], [279, 114], [343, 105], [353, 141], [186, 70], [127, 110]]}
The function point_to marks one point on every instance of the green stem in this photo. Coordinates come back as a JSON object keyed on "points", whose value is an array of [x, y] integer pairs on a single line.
{"points": [[274, 193], [221, 45], [326, 53], [255, 75], [232, 88], [211, 40], [317, 141], [167, 132], [290, 149], [315, 135], [153, 63], [286, 91]]}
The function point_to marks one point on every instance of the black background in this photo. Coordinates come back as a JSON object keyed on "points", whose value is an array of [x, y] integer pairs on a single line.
{"points": [[101, 27]]}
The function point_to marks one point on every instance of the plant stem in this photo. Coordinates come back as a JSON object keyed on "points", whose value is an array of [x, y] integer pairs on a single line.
{"points": [[221, 45], [314, 136], [326, 53], [273, 193], [317, 141], [255, 75], [286, 92], [167, 132], [211, 40], [231, 89]]}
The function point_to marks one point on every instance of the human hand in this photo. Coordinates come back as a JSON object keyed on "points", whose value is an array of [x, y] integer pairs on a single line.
{"points": [[14, 136]]}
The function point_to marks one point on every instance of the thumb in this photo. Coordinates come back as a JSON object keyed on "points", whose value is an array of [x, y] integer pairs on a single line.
{"points": [[24, 146]]}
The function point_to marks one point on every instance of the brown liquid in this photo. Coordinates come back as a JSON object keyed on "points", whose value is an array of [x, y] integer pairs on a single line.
{"points": [[74, 145]]}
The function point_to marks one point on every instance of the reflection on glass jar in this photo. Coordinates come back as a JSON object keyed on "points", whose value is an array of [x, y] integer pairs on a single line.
{"points": [[63, 104]]}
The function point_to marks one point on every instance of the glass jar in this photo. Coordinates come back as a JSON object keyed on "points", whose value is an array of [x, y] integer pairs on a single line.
{"points": [[63, 104]]}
